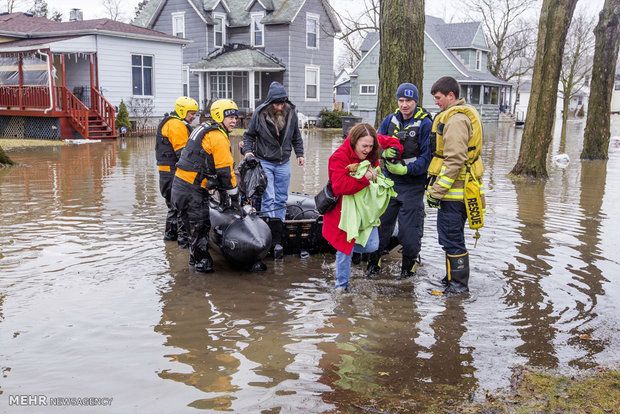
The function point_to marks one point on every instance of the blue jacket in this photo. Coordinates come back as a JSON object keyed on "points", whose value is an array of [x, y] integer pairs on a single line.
{"points": [[261, 137], [419, 167]]}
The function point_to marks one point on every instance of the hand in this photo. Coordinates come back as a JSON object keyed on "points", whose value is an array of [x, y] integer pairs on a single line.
{"points": [[432, 202], [300, 161], [397, 169], [235, 203], [390, 153], [371, 174]]}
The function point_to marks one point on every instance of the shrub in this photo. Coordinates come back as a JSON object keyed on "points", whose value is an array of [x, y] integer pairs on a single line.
{"points": [[331, 119], [122, 117], [581, 112]]}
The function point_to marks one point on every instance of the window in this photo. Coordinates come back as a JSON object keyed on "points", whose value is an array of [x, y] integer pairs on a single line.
{"points": [[185, 80], [368, 89], [312, 83], [178, 24], [142, 75], [312, 31], [258, 30], [257, 87], [219, 30], [478, 60], [230, 85]]}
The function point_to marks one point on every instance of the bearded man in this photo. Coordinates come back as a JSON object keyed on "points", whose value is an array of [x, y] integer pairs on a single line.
{"points": [[272, 134]]}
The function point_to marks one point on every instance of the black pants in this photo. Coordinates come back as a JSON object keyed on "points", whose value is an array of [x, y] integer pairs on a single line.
{"points": [[192, 203], [408, 208], [174, 224]]}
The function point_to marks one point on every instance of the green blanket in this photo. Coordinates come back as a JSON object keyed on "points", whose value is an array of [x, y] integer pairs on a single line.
{"points": [[361, 211]]}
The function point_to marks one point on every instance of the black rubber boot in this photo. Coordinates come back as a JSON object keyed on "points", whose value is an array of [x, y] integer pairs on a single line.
{"points": [[171, 229], [276, 234], [205, 265], [374, 265], [409, 267], [183, 237], [192, 261], [457, 267], [356, 258], [259, 266]]}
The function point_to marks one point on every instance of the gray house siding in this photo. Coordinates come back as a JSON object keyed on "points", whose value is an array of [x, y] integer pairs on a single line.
{"points": [[300, 56], [479, 39], [195, 29]]}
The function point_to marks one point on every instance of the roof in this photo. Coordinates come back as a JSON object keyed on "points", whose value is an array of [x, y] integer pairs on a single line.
{"points": [[459, 35], [22, 44], [238, 11], [27, 26], [239, 57]]}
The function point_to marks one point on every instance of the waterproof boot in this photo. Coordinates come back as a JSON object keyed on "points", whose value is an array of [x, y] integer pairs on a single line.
{"points": [[276, 234], [457, 267], [183, 237], [205, 265], [259, 266], [192, 261], [444, 281], [409, 267], [356, 258], [171, 230], [374, 265]]}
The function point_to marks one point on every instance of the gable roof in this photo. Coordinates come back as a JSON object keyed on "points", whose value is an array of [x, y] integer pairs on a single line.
{"points": [[23, 25], [238, 11], [239, 57], [447, 36]]}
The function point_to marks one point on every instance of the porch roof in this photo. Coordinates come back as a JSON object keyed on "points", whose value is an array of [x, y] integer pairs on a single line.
{"points": [[239, 60], [24, 45]]}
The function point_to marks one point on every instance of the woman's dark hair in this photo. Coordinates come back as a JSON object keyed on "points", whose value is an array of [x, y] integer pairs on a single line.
{"points": [[364, 130], [446, 85]]}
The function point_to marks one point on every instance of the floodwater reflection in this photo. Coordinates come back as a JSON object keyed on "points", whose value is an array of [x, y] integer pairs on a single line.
{"points": [[94, 303]]}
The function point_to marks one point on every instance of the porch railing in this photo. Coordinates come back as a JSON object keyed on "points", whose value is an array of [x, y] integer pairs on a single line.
{"points": [[75, 108], [24, 97], [105, 110]]}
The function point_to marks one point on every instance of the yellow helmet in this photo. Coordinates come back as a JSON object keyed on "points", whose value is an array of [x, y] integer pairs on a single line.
{"points": [[222, 108], [184, 104]]}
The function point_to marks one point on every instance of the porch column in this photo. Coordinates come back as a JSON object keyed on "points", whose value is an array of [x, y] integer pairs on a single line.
{"points": [[251, 91], [201, 93], [92, 81], [481, 95], [50, 64]]}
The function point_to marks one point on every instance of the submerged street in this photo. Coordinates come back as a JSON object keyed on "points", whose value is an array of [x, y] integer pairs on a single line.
{"points": [[93, 303]]}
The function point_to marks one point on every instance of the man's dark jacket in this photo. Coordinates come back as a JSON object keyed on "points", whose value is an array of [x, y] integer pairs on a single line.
{"points": [[260, 138]]}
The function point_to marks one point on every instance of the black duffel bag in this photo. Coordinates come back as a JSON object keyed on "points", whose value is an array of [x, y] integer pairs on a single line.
{"points": [[325, 200]]}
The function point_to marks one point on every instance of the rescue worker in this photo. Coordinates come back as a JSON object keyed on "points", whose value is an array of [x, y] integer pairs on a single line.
{"points": [[206, 163], [272, 134], [456, 139], [411, 124], [172, 134]]}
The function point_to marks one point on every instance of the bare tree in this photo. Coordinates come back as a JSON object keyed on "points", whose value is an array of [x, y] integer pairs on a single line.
{"points": [[607, 33], [141, 109], [509, 33], [356, 26], [401, 50], [577, 61], [554, 21], [113, 9], [14, 5]]}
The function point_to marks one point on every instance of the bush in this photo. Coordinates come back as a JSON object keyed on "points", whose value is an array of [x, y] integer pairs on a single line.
{"points": [[331, 119], [122, 117], [581, 112]]}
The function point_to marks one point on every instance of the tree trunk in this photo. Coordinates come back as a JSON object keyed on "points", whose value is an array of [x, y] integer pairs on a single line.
{"points": [[401, 54], [553, 25], [607, 34], [4, 159], [565, 102]]}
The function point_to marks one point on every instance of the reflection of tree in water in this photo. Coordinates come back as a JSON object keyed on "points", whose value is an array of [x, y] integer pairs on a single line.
{"points": [[589, 277], [377, 357], [232, 333], [534, 312]]}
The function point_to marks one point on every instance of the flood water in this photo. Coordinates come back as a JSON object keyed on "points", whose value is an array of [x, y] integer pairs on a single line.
{"points": [[93, 303]]}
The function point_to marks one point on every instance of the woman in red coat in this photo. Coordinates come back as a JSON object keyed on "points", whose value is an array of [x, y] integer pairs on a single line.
{"points": [[361, 144]]}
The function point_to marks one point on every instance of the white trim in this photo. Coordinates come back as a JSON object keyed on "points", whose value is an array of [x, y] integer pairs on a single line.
{"points": [[185, 78], [131, 55], [195, 9], [223, 3], [374, 86], [317, 18], [478, 60], [176, 15], [258, 16], [238, 69], [318, 82], [217, 16]]}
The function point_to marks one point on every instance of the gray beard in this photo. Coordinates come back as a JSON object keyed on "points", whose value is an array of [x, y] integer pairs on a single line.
{"points": [[278, 119]]}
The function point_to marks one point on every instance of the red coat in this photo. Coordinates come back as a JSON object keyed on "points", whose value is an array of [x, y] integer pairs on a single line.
{"points": [[344, 184]]}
